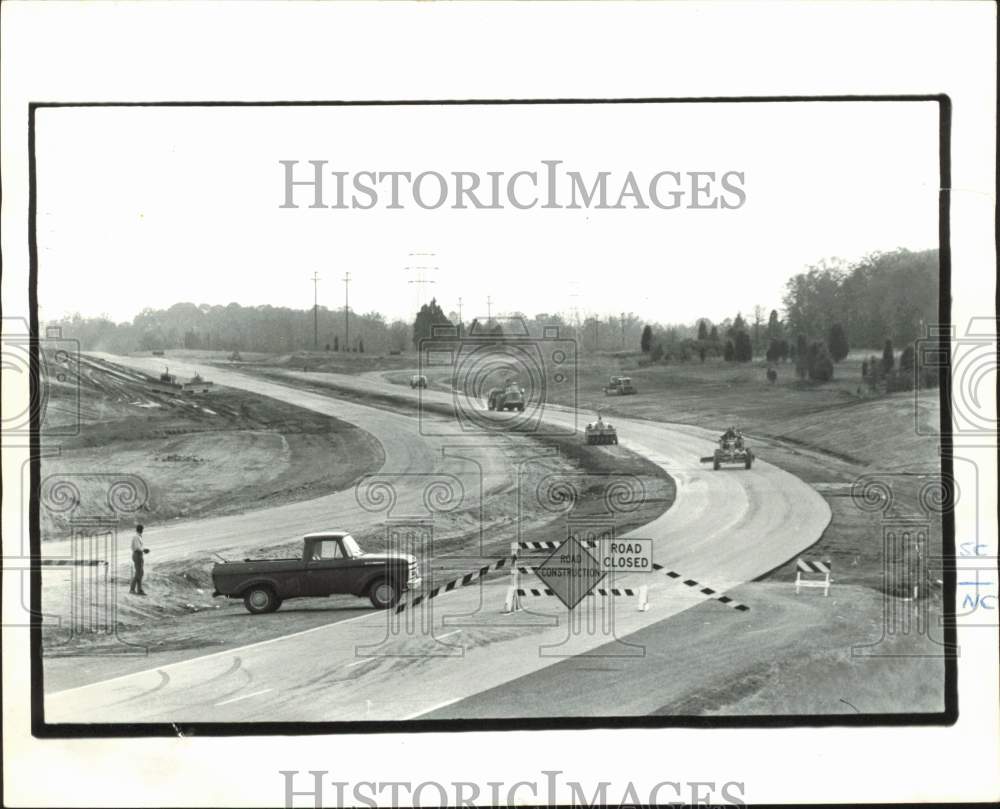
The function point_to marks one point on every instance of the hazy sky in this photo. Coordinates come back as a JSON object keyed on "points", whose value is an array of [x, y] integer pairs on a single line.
{"points": [[146, 207]]}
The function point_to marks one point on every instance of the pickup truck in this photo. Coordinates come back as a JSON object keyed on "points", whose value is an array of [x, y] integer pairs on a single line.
{"points": [[332, 563]]}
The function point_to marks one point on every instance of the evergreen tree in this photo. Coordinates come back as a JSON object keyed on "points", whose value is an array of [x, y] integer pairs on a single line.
{"points": [[907, 362], [839, 347], [429, 316], [743, 348], [646, 339], [774, 330]]}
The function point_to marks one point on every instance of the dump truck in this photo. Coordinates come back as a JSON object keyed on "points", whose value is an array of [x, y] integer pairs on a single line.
{"points": [[332, 563], [509, 397], [731, 450], [620, 385]]}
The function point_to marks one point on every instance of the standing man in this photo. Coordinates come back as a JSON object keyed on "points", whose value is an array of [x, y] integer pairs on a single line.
{"points": [[139, 550]]}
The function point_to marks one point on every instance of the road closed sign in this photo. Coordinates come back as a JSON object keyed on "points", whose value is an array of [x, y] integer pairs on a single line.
{"points": [[626, 555]]}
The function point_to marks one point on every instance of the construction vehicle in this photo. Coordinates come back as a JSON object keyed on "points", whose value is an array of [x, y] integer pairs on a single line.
{"points": [[509, 397], [168, 383], [731, 450], [598, 432], [620, 385]]}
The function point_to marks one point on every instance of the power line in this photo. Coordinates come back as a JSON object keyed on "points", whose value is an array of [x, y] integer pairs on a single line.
{"points": [[421, 280]]}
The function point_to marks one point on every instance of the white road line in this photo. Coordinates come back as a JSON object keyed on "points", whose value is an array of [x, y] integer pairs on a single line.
{"points": [[448, 635], [358, 662], [244, 696]]}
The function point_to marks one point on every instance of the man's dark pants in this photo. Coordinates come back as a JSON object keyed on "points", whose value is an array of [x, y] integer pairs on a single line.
{"points": [[137, 562]]}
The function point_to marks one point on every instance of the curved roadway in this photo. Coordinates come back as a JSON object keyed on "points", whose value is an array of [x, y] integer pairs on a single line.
{"points": [[723, 529]]}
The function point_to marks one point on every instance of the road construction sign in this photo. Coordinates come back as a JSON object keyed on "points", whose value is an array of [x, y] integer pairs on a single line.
{"points": [[570, 572]]}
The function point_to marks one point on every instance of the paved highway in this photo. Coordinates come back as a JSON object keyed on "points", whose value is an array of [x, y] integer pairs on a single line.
{"points": [[724, 528]]}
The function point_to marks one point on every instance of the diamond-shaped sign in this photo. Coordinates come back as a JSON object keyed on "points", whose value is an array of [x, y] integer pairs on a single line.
{"points": [[570, 572]]}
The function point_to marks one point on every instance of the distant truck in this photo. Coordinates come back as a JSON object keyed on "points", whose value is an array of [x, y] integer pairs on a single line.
{"points": [[509, 397], [620, 385], [418, 381], [332, 563]]}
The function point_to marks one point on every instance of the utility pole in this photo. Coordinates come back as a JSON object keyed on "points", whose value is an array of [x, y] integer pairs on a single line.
{"points": [[460, 317], [489, 310], [597, 339], [315, 280], [623, 330], [347, 312]]}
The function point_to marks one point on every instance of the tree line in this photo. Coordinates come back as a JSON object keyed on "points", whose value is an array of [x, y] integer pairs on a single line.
{"points": [[234, 327], [830, 308]]}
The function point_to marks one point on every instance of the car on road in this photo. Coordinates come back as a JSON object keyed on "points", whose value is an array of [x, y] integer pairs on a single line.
{"points": [[418, 381], [332, 563]]}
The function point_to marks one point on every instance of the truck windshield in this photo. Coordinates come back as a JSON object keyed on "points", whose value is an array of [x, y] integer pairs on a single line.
{"points": [[351, 546]]}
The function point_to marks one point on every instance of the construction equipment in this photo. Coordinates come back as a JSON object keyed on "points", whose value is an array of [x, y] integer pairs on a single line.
{"points": [[620, 385], [510, 397], [598, 432], [731, 450]]}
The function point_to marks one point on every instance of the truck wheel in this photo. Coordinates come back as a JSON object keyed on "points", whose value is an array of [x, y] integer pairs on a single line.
{"points": [[383, 594], [260, 600], [520, 408], [715, 464], [749, 461]]}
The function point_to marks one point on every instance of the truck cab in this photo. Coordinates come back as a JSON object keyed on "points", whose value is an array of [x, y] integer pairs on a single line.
{"points": [[331, 563]]}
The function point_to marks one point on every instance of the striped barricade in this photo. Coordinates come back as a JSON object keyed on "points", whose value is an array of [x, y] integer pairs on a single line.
{"points": [[805, 567]]}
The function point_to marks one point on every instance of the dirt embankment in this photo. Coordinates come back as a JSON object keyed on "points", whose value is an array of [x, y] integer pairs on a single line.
{"points": [[220, 453]]}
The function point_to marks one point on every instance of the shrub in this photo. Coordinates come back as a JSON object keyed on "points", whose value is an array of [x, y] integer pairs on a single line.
{"points": [[657, 353], [730, 352], [820, 363], [898, 381], [773, 351]]}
